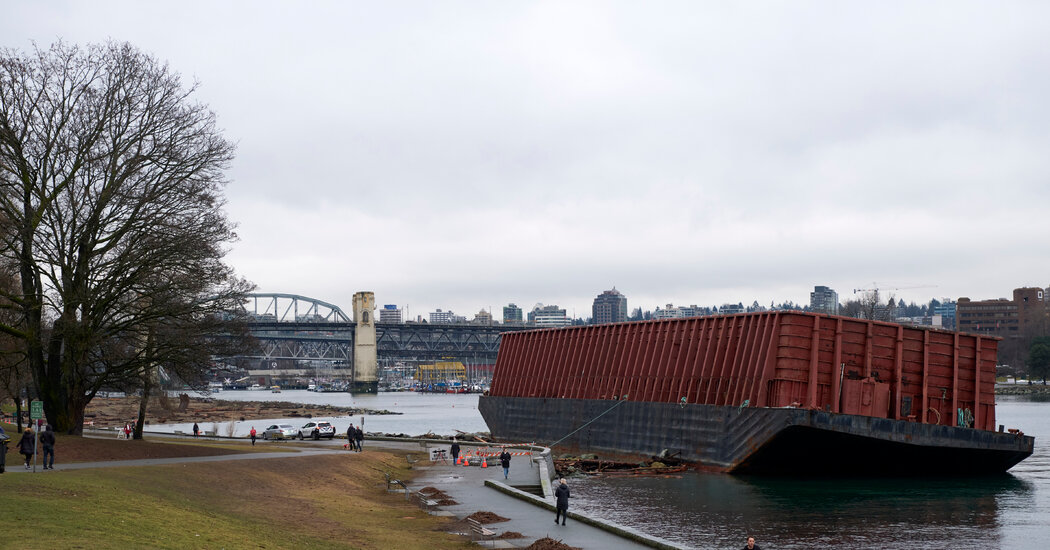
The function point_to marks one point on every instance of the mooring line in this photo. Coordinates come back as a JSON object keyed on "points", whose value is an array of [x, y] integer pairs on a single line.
{"points": [[618, 403]]}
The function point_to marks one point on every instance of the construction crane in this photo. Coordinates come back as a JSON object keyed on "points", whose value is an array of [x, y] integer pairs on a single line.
{"points": [[877, 288]]}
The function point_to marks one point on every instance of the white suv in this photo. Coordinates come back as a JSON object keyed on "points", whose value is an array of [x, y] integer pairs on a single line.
{"points": [[317, 430]]}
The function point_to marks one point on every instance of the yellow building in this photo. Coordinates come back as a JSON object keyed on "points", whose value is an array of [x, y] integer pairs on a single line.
{"points": [[441, 373]]}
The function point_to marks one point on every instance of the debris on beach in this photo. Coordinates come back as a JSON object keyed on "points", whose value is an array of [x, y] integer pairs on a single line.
{"points": [[592, 465], [547, 543], [510, 535], [485, 518]]}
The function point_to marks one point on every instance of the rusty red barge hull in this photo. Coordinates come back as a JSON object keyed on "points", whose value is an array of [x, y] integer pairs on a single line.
{"points": [[776, 392]]}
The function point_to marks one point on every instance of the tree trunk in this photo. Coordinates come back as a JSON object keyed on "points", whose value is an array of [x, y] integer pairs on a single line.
{"points": [[146, 384], [18, 412]]}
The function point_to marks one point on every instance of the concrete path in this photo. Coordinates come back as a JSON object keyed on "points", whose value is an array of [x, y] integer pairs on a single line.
{"points": [[466, 485]]}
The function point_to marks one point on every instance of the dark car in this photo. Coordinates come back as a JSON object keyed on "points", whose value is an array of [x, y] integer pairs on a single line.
{"points": [[317, 430]]}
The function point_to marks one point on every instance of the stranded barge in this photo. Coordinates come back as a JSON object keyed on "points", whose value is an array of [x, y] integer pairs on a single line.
{"points": [[766, 393]]}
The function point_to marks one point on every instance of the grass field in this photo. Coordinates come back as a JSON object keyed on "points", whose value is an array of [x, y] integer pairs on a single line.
{"points": [[326, 501]]}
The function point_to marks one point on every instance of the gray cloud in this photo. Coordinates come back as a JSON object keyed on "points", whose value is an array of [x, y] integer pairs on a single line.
{"points": [[464, 155]]}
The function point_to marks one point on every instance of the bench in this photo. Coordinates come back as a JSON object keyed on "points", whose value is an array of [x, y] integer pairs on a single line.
{"points": [[391, 481], [479, 530], [411, 460], [424, 502]]}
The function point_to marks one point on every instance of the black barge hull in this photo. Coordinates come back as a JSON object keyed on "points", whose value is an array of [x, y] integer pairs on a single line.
{"points": [[754, 440]]}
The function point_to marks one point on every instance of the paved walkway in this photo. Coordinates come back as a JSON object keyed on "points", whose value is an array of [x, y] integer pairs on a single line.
{"points": [[466, 485]]}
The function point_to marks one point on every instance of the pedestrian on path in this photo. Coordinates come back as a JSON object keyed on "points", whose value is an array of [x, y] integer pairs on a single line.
{"points": [[504, 460], [562, 494], [47, 440], [27, 446], [359, 436], [196, 430], [127, 431], [751, 544], [455, 451], [252, 434], [351, 436]]}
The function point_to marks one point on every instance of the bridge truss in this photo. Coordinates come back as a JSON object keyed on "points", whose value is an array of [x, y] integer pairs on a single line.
{"points": [[334, 342]]}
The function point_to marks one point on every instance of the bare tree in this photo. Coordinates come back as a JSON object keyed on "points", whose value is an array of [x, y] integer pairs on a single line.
{"points": [[869, 306], [111, 178]]}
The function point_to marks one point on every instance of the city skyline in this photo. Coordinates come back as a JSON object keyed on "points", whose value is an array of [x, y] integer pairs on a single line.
{"points": [[544, 152]]}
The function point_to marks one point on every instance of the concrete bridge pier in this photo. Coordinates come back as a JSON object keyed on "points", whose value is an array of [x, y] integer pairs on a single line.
{"points": [[366, 378]]}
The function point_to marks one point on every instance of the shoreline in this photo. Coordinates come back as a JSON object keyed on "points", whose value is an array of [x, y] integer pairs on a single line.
{"points": [[112, 412], [1036, 388]]}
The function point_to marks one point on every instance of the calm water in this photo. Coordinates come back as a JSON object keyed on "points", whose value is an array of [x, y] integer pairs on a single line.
{"points": [[442, 414], [717, 511]]}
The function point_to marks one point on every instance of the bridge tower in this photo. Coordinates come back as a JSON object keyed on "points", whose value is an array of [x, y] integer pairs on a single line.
{"points": [[366, 379]]}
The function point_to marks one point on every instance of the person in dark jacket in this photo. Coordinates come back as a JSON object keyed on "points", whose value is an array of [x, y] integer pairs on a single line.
{"points": [[351, 436], [47, 441], [454, 450], [562, 494], [504, 460], [359, 436], [27, 446], [751, 544], [196, 430]]}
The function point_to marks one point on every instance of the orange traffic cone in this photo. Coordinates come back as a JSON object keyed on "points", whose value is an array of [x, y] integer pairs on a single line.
{"points": [[457, 460], [466, 460], [484, 464]]}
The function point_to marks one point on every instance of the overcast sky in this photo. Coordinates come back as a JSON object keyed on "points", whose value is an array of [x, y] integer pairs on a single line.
{"points": [[463, 155]]}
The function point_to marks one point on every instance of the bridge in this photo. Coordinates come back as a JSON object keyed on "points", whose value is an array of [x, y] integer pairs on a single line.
{"points": [[293, 328]]}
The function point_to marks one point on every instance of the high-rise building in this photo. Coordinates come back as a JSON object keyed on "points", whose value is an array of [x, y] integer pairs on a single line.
{"points": [[947, 312], [483, 318], [730, 309], [691, 310], [548, 316], [1003, 317], [824, 300], [512, 314], [390, 314], [442, 317], [670, 312], [609, 307]]}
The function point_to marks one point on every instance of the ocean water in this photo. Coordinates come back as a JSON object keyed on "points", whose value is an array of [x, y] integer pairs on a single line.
{"points": [[720, 511], [419, 413]]}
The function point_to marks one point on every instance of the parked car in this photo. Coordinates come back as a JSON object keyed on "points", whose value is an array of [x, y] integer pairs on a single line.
{"points": [[317, 430], [279, 431]]}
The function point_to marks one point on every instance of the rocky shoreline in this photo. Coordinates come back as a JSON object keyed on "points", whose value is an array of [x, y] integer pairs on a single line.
{"points": [[1022, 389], [106, 412]]}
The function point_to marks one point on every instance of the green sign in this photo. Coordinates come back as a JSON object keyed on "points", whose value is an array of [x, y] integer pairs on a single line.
{"points": [[36, 410]]}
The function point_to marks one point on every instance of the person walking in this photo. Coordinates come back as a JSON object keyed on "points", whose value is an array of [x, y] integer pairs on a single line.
{"points": [[351, 437], [252, 434], [127, 431], [454, 450], [562, 494], [196, 430], [27, 446], [504, 460], [47, 441], [751, 544], [359, 436], [3, 449]]}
